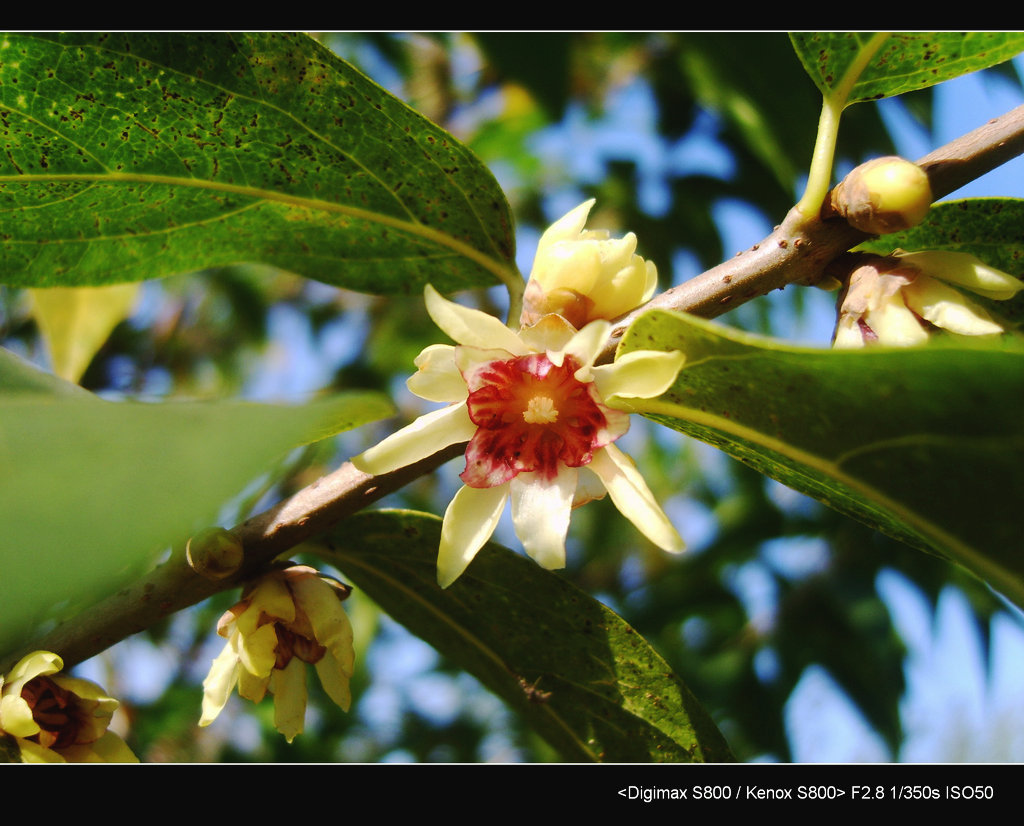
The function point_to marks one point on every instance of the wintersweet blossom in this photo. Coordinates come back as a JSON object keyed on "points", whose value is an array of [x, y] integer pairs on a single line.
{"points": [[896, 300], [55, 718], [286, 619], [540, 419], [584, 275]]}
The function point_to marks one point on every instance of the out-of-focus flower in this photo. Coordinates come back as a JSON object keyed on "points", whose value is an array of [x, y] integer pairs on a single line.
{"points": [[540, 420], [584, 275], [55, 718], [896, 300], [286, 619]]}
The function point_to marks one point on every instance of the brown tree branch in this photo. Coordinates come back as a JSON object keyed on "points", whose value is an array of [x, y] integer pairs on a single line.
{"points": [[798, 251]]}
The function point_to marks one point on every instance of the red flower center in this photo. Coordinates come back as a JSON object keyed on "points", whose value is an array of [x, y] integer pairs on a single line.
{"points": [[532, 415]]}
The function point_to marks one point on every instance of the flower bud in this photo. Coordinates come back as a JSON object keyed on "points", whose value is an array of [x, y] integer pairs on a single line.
{"points": [[214, 553], [884, 195], [584, 275]]}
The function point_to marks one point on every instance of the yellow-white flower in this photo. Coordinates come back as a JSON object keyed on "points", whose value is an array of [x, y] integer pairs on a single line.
{"points": [[55, 718], [540, 420], [286, 619], [585, 275], [895, 301]]}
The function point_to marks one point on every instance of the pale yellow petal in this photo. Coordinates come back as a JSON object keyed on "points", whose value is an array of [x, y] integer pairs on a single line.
{"points": [[257, 651], [947, 308], [424, 437], [289, 688], [469, 521], [334, 677], [326, 615], [967, 271], [107, 749], [848, 333], [551, 332], [472, 327], [15, 715], [540, 514], [437, 379], [270, 596], [633, 498], [34, 753], [894, 324], [251, 686], [566, 228], [219, 683], [583, 347], [641, 374]]}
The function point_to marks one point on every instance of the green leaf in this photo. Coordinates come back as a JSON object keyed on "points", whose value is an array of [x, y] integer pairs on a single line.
{"points": [[991, 229], [575, 670], [91, 491], [76, 322], [904, 61], [134, 156], [924, 444]]}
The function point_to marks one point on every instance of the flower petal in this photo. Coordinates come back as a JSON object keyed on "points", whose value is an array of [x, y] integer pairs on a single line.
{"points": [[967, 271], [540, 513], [288, 685], [634, 499], [334, 677], [894, 324], [642, 374], [437, 379], [328, 619], [469, 521], [584, 347], [472, 327], [949, 309], [257, 652], [15, 714], [218, 684], [424, 437]]}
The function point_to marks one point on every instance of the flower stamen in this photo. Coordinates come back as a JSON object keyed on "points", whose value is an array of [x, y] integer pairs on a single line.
{"points": [[540, 410]]}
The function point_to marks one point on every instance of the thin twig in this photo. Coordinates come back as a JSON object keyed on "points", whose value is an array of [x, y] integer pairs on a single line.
{"points": [[796, 252]]}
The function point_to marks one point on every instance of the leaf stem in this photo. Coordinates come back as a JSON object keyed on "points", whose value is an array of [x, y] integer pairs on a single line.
{"points": [[819, 177]]}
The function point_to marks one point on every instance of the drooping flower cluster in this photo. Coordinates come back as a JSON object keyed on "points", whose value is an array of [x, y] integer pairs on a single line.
{"points": [[55, 718], [285, 620], [539, 416], [896, 301]]}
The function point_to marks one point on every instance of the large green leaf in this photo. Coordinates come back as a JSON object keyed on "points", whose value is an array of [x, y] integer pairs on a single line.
{"points": [[902, 63], [924, 444], [92, 491], [991, 229], [577, 672], [133, 156]]}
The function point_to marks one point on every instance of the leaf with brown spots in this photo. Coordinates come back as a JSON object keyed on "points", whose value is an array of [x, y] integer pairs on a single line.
{"points": [[903, 63], [135, 156]]}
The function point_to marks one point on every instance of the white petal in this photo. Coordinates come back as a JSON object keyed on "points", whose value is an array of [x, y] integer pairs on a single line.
{"points": [[642, 374], [424, 437], [540, 513], [472, 327], [469, 522], [633, 498], [437, 379], [945, 307]]}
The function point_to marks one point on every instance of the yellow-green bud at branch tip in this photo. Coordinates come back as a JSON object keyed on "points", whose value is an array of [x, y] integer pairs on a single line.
{"points": [[215, 553], [884, 195]]}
